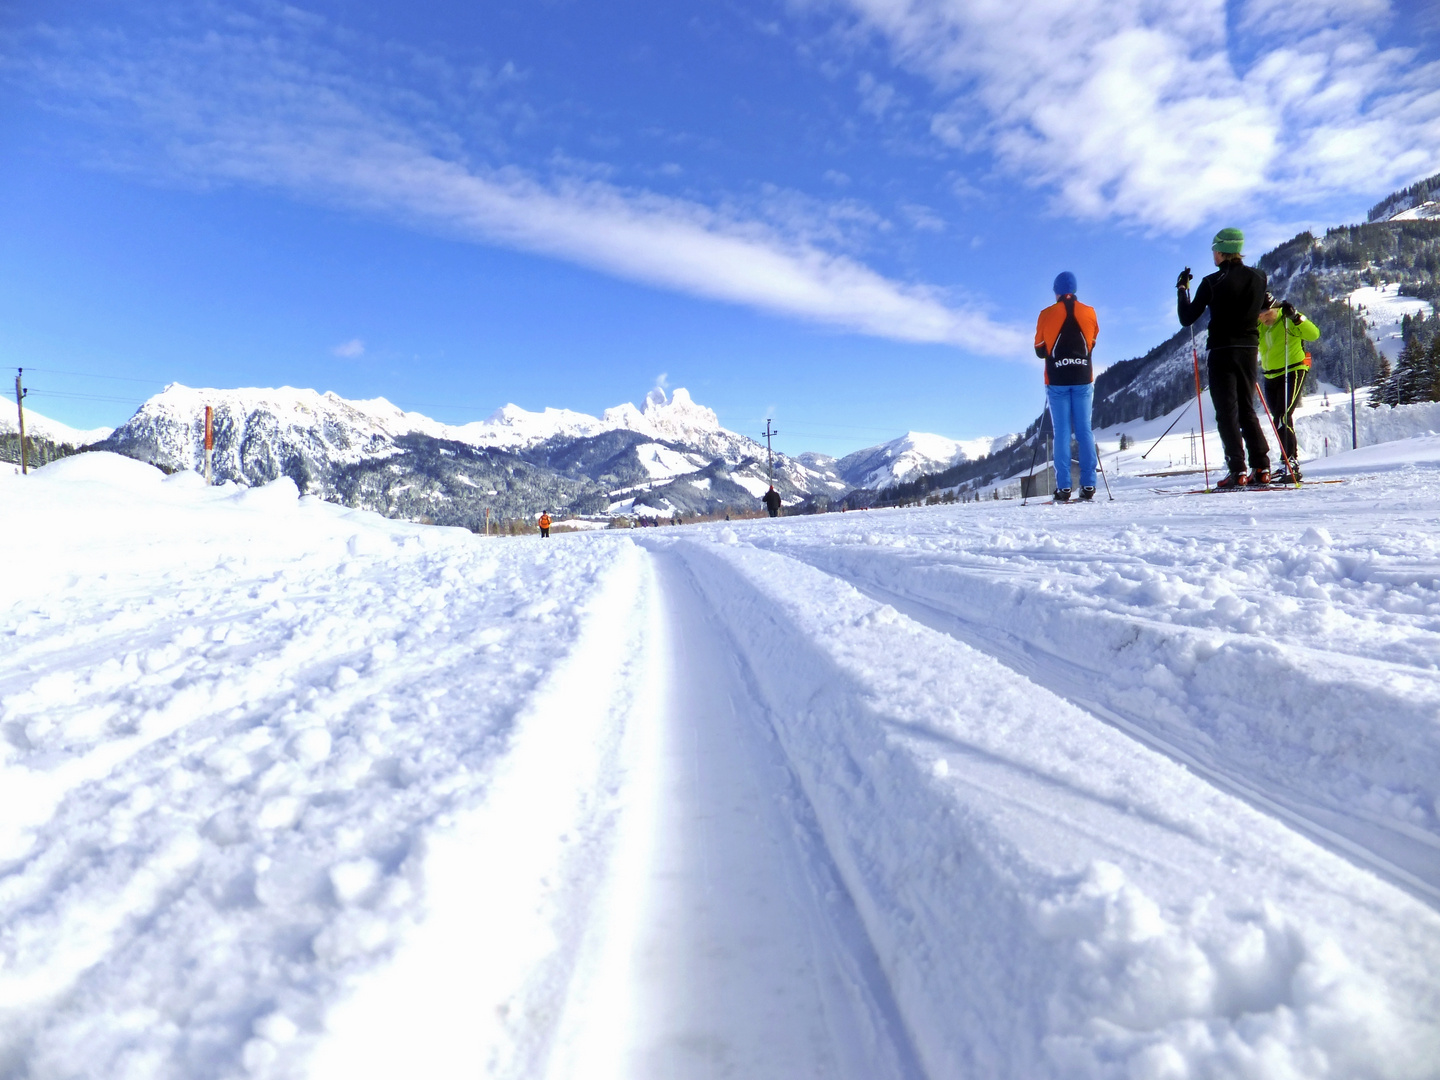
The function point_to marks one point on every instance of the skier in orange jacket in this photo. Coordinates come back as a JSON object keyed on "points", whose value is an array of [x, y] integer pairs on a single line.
{"points": [[1065, 337], [545, 524]]}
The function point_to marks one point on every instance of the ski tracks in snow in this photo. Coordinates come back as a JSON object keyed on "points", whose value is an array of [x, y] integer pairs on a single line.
{"points": [[310, 794]]}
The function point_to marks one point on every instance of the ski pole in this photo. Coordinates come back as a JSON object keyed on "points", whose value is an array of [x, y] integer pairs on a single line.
{"points": [[1283, 455], [1167, 431], [1101, 466], [1195, 357], [1039, 430]]}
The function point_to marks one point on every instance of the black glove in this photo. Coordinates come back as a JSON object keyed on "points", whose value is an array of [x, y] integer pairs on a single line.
{"points": [[1288, 310], [1183, 282]]}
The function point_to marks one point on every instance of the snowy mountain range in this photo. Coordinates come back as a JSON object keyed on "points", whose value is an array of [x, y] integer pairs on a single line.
{"points": [[669, 456]]}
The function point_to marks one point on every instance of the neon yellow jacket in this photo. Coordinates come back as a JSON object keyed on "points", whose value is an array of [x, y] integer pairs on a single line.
{"points": [[1282, 345]]}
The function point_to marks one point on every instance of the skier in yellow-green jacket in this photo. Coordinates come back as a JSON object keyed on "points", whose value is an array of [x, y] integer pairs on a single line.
{"points": [[1286, 366]]}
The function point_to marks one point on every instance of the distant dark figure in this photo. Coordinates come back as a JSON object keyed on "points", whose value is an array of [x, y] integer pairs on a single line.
{"points": [[1235, 295], [771, 499], [545, 525]]}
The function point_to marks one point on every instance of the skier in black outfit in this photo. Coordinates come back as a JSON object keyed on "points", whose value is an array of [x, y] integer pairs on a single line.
{"points": [[771, 499], [1235, 295]]}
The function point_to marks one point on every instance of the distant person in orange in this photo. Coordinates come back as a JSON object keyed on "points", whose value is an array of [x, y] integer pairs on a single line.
{"points": [[771, 499], [1065, 337], [545, 524]]}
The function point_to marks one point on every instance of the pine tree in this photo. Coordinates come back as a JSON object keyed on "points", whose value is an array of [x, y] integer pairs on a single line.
{"points": [[1410, 375], [1431, 381], [1380, 389]]}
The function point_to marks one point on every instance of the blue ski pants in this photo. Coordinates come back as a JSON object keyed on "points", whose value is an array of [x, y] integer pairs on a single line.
{"points": [[1070, 414]]}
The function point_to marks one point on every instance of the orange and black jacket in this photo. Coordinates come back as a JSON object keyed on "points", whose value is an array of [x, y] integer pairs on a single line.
{"points": [[1065, 337]]}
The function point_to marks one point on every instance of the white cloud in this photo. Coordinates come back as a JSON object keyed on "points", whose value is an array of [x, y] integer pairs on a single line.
{"points": [[876, 97], [350, 349], [1163, 115], [235, 108]]}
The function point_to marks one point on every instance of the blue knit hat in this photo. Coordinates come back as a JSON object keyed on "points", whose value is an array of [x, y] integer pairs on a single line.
{"points": [[1064, 283]]}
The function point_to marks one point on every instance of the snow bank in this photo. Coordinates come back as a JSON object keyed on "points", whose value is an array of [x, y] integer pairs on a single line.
{"points": [[1046, 899], [238, 727], [1386, 423]]}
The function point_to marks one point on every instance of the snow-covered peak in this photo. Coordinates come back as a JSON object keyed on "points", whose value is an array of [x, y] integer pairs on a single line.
{"points": [[913, 454], [678, 419], [511, 425]]}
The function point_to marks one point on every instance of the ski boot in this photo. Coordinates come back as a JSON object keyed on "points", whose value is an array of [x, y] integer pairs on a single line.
{"points": [[1086, 494], [1234, 482], [1062, 494], [1260, 478]]}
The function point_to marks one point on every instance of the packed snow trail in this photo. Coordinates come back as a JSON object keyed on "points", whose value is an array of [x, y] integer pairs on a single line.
{"points": [[728, 936], [1048, 897]]}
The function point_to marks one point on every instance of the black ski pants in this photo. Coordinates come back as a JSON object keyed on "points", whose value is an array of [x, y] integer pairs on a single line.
{"points": [[1232, 393], [1282, 394]]}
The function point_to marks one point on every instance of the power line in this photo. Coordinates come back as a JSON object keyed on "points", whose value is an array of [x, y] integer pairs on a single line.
{"points": [[87, 397], [90, 375]]}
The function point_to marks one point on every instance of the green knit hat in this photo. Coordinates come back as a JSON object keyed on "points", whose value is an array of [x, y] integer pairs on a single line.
{"points": [[1228, 242]]}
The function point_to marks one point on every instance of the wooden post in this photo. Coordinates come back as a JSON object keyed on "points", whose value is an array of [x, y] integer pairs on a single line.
{"points": [[209, 442], [20, 408]]}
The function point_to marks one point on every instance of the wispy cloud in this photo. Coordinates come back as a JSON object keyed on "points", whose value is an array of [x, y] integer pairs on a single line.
{"points": [[350, 349], [236, 105], [1167, 115]]}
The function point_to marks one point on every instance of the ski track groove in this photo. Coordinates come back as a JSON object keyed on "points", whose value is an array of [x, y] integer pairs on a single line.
{"points": [[1037, 665]]}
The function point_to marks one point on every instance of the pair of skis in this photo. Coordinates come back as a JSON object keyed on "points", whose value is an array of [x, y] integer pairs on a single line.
{"points": [[1247, 487]]}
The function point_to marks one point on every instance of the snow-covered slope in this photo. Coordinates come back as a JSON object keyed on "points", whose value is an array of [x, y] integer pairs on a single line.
{"points": [[1383, 307], [45, 428], [1415, 203], [1142, 789]]}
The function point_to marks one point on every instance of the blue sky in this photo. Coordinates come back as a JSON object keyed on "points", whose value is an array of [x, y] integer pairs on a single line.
{"points": [[843, 214]]}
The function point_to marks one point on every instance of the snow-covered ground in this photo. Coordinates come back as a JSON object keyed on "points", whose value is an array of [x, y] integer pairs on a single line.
{"points": [[1144, 788]]}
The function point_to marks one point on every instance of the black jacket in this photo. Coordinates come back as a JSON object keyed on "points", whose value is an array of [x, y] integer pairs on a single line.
{"points": [[1235, 295]]}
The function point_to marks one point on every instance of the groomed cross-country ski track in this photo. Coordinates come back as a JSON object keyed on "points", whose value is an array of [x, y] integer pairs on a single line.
{"points": [[1142, 789]]}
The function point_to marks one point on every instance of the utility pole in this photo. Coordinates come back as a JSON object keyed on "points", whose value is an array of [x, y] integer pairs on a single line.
{"points": [[20, 393], [769, 454], [1354, 424], [209, 444]]}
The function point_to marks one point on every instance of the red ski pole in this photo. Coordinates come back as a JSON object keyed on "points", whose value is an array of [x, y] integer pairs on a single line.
{"points": [[1195, 356], [1278, 442]]}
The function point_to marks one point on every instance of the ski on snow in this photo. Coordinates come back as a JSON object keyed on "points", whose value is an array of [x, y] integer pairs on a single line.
{"points": [[1247, 487]]}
